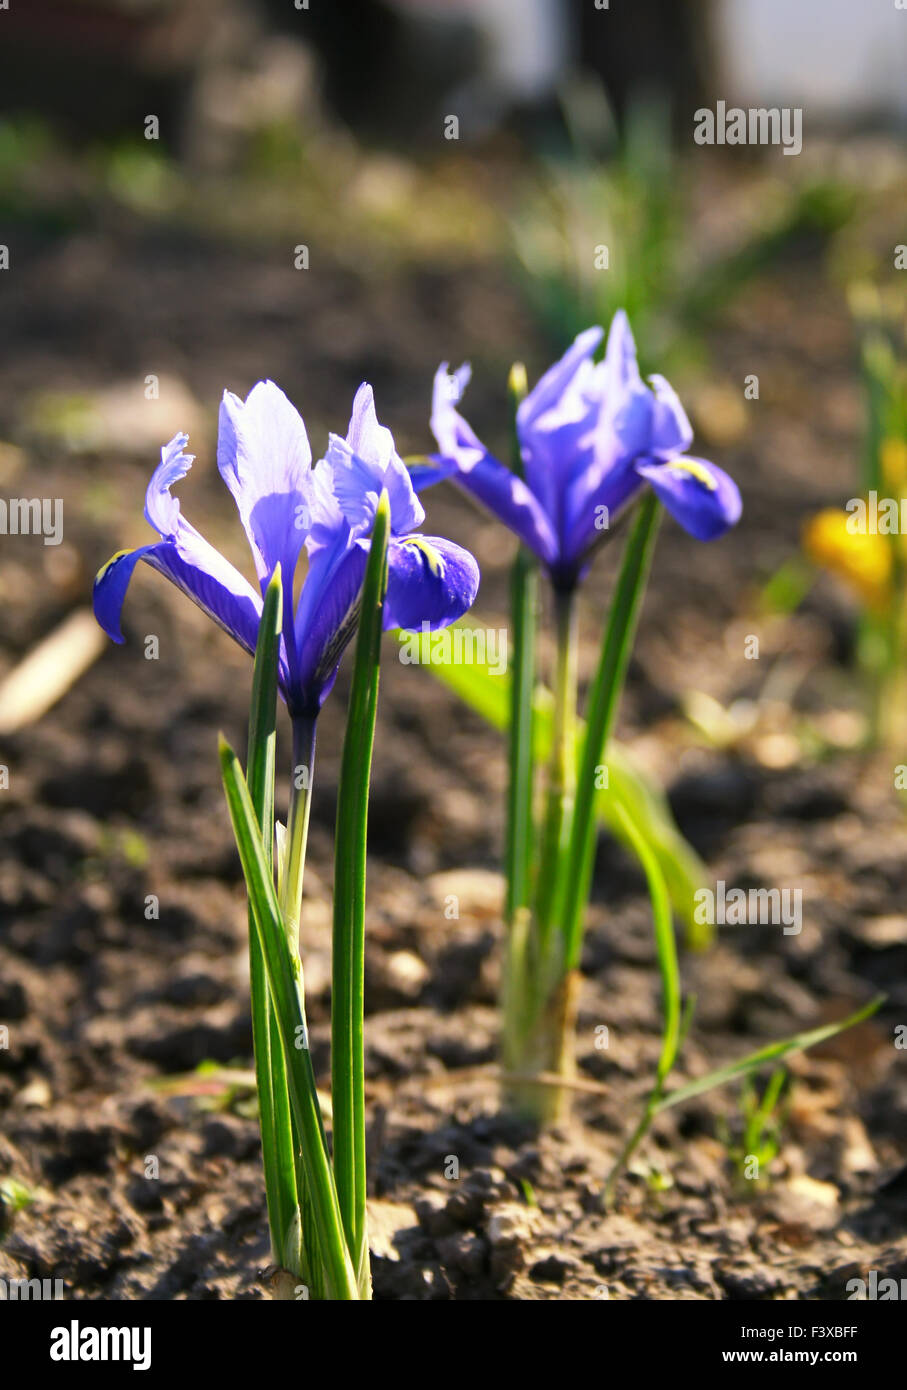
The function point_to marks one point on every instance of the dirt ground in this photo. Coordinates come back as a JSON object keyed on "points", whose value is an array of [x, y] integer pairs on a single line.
{"points": [[115, 796]]}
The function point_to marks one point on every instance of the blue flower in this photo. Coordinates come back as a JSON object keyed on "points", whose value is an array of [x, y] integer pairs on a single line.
{"points": [[285, 504], [591, 435]]}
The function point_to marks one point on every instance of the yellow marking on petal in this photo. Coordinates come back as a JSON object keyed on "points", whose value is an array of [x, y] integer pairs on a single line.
{"points": [[109, 564], [696, 470], [434, 557]]}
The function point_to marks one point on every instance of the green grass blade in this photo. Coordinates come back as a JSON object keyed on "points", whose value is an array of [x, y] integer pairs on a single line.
{"points": [[520, 831], [283, 983], [263, 711], [631, 796], [674, 1024], [666, 952], [519, 727], [629, 790], [519, 838], [774, 1052], [348, 954], [601, 709], [277, 1144], [561, 781]]}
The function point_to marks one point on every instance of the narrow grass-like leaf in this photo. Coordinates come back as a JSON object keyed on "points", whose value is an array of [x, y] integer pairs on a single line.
{"points": [[519, 834], [519, 837], [560, 791], [348, 953], [277, 1143], [263, 711], [628, 790], [600, 712], [283, 983], [674, 1025], [773, 1052]]}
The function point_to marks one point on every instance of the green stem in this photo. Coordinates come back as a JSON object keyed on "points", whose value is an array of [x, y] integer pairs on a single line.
{"points": [[603, 697], [519, 844], [519, 835], [348, 949], [520, 828], [298, 825], [285, 988], [291, 876], [562, 771], [277, 1142], [540, 995]]}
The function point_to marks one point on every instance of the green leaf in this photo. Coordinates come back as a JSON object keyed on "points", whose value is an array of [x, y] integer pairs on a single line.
{"points": [[524, 610], [753, 1061], [348, 953], [629, 792], [601, 709], [284, 983], [666, 952], [278, 1148], [675, 1025], [519, 841], [263, 710]]}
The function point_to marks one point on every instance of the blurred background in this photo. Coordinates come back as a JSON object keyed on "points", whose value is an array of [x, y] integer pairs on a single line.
{"points": [[196, 194]]}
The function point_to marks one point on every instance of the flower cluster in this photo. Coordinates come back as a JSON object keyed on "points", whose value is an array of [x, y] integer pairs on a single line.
{"points": [[591, 435], [589, 438], [286, 504]]}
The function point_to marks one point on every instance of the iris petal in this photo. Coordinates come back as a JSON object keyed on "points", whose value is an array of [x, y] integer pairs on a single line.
{"points": [[550, 388], [700, 496], [161, 510], [264, 458], [431, 472], [466, 460], [326, 619], [429, 580], [556, 422], [195, 567], [671, 431], [364, 464], [184, 556], [211, 582], [110, 585], [636, 420]]}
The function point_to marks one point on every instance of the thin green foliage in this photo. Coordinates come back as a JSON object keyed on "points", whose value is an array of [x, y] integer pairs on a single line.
{"points": [[348, 953], [629, 794], [673, 1024], [285, 984], [520, 731], [277, 1140], [763, 1056], [752, 1150], [600, 713], [676, 1021]]}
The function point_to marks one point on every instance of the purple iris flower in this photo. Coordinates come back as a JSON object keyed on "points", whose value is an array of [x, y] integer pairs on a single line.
{"points": [[286, 504], [591, 435]]}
